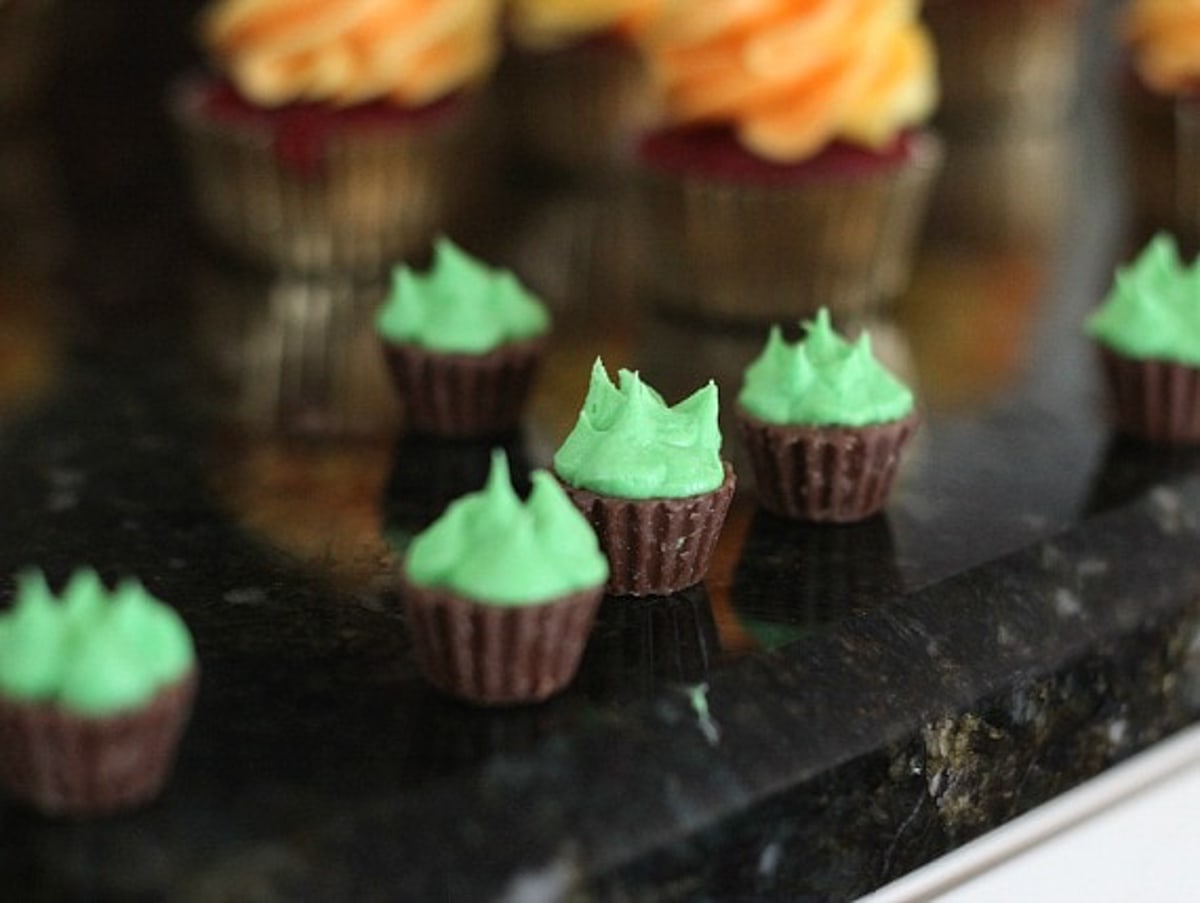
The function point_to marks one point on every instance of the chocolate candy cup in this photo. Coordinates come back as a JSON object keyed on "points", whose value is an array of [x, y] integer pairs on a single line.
{"points": [[463, 396], [62, 763], [656, 546], [1158, 401], [498, 654], [824, 473]]}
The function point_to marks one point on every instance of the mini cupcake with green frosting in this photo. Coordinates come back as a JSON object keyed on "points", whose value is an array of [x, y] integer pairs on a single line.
{"points": [[463, 342], [95, 689], [501, 593], [1148, 333], [825, 424], [650, 478]]}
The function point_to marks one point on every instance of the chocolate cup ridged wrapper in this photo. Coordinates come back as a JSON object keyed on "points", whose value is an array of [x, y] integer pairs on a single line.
{"points": [[760, 253], [1154, 400], [62, 763], [656, 546], [463, 396], [833, 474], [376, 196], [498, 655]]}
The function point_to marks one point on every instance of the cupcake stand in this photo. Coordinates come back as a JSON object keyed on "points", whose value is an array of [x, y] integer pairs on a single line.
{"points": [[832, 709]]}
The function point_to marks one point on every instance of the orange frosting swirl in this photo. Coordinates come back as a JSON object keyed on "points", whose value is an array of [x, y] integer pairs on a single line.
{"points": [[352, 51], [546, 24], [1165, 38], [791, 76]]}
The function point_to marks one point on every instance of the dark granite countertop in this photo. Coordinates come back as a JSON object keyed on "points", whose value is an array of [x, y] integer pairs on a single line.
{"points": [[832, 708]]}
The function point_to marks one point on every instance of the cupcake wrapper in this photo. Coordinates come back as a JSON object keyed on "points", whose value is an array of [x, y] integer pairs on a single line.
{"points": [[828, 474], [378, 195], [1011, 64], [656, 546], [577, 108], [67, 764], [1158, 401], [765, 253], [464, 396], [498, 655], [295, 355]]}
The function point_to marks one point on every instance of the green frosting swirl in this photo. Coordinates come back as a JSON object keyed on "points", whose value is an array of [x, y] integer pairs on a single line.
{"points": [[91, 651], [460, 305], [495, 549], [822, 380], [1153, 309], [630, 444]]}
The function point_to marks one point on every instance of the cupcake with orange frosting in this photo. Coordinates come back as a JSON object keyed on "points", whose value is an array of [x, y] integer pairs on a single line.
{"points": [[338, 136], [1161, 115], [575, 86], [791, 169]]}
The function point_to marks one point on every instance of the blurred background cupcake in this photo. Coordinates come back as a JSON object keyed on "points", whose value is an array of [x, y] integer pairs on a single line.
{"points": [[339, 136], [1161, 117], [574, 91], [1009, 71], [791, 168], [575, 84], [289, 355]]}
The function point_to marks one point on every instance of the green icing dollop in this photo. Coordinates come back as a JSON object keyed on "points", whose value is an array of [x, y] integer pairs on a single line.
{"points": [[631, 444], [90, 650], [822, 380], [1153, 309], [460, 305], [495, 549]]}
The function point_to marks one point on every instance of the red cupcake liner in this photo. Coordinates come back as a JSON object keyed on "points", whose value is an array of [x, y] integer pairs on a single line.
{"points": [[498, 655], [656, 546], [62, 763], [463, 396], [831, 474], [1158, 401]]}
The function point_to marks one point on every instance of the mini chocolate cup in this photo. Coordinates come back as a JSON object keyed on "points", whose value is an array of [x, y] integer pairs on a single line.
{"points": [[1154, 400], [463, 396], [834, 474], [494, 654], [656, 546], [62, 763]]}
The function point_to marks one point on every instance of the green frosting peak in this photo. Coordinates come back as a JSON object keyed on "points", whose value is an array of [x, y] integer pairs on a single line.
{"points": [[1153, 309], [460, 306], [493, 548], [629, 443], [822, 380], [89, 650]]}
